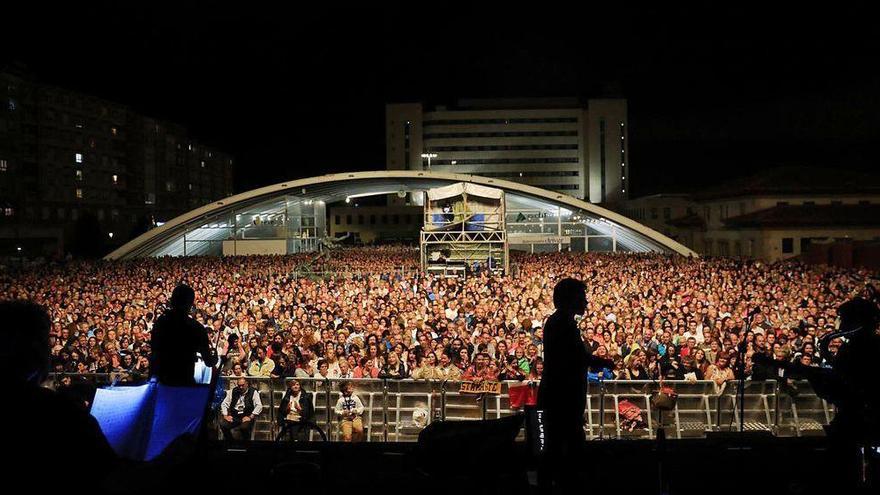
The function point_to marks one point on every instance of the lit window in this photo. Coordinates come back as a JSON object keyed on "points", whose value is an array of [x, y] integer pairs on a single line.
{"points": [[114, 131], [4, 166], [169, 186], [8, 212], [79, 193], [79, 125], [78, 157], [115, 179], [203, 163], [190, 186], [12, 105], [189, 147], [79, 175]]}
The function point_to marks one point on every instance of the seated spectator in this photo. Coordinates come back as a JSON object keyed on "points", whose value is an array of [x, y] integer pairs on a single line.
{"points": [[426, 369], [323, 371], [366, 369], [261, 365], [720, 372], [446, 370], [700, 361], [510, 369], [480, 369], [537, 370], [596, 374], [345, 372], [635, 369], [232, 351], [349, 410], [239, 411], [295, 411], [691, 372], [394, 368], [285, 367]]}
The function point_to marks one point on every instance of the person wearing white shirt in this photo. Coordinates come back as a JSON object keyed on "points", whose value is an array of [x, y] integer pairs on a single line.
{"points": [[694, 330], [350, 409], [239, 410]]}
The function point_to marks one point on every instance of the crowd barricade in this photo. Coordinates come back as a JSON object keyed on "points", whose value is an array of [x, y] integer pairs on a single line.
{"points": [[758, 409], [397, 410], [800, 411]]}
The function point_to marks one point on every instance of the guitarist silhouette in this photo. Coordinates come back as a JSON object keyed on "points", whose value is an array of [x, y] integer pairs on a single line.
{"points": [[852, 384]]}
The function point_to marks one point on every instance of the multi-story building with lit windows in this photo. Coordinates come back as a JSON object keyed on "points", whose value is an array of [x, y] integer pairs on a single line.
{"points": [[65, 156], [774, 214], [556, 144]]}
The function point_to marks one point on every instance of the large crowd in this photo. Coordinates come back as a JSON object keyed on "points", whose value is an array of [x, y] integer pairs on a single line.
{"points": [[369, 313]]}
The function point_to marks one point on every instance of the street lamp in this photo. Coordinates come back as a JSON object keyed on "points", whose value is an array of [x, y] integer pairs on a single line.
{"points": [[429, 156]]}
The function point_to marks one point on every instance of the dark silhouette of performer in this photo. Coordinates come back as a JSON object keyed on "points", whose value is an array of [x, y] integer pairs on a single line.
{"points": [[856, 390], [563, 389], [852, 385], [176, 338], [41, 425]]}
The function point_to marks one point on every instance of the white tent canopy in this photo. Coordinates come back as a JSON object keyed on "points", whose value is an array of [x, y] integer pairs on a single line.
{"points": [[457, 189]]}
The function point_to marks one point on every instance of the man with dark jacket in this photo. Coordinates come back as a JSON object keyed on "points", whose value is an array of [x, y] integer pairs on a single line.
{"points": [[239, 410], [42, 424], [295, 412], [176, 338], [563, 389]]}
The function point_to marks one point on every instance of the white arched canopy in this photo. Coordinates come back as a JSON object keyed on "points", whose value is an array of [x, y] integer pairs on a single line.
{"points": [[289, 210]]}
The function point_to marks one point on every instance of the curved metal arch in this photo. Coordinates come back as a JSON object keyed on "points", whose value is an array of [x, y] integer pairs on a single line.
{"points": [[179, 224]]}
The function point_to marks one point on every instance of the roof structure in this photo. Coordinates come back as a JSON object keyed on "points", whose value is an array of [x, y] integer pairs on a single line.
{"points": [[325, 189]]}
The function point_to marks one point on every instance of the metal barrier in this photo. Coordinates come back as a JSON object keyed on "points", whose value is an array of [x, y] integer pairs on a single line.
{"points": [[397, 410]]}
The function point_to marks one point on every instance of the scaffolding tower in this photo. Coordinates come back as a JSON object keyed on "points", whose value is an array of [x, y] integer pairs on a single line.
{"points": [[464, 230]]}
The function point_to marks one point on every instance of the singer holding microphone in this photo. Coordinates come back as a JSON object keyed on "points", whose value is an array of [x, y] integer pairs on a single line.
{"points": [[176, 338]]}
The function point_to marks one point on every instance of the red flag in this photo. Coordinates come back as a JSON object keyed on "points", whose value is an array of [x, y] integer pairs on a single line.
{"points": [[522, 395]]}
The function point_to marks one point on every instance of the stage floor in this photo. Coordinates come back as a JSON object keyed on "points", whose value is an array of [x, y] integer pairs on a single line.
{"points": [[715, 465]]}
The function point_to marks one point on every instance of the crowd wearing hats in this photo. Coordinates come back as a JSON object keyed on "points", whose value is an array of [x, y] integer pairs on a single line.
{"points": [[370, 313]]}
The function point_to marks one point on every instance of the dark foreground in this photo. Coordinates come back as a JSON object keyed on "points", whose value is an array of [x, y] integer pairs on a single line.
{"points": [[706, 466]]}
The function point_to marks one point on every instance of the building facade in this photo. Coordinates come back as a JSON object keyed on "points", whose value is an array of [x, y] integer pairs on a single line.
{"points": [[65, 155], [776, 214], [368, 224], [561, 145]]}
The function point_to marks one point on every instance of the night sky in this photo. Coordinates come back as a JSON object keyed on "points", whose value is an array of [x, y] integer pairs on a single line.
{"points": [[713, 94]]}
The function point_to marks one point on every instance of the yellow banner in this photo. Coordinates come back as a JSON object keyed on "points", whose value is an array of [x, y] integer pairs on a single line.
{"points": [[480, 388]]}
